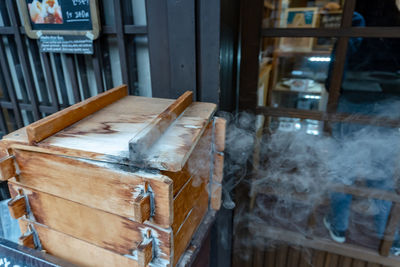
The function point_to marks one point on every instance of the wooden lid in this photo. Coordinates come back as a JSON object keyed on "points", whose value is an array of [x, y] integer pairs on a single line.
{"points": [[105, 135]]}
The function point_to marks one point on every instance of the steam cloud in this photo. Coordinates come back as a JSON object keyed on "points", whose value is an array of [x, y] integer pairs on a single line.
{"points": [[297, 172]]}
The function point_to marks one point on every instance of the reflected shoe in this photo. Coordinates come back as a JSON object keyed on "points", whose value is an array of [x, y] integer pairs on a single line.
{"points": [[338, 236], [395, 251]]}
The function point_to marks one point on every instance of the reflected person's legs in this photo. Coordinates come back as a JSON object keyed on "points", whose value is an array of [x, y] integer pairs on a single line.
{"points": [[340, 211], [337, 221]]}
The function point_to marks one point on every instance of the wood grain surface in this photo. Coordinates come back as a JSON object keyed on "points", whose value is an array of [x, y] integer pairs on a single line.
{"points": [[7, 168], [105, 135], [187, 198], [17, 206], [109, 187], [54, 123], [220, 133], [103, 229], [77, 251], [198, 164], [193, 219], [145, 138]]}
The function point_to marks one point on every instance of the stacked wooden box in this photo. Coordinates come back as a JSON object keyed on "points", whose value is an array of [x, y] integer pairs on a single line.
{"points": [[116, 180]]}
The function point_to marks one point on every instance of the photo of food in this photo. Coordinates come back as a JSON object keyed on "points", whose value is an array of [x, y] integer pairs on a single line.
{"points": [[45, 12]]}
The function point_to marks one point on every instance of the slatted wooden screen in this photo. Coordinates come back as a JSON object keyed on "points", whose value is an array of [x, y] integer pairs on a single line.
{"points": [[34, 84]]}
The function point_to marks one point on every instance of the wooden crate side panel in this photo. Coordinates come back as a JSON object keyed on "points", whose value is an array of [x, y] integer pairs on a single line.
{"points": [[188, 227], [77, 251], [103, 229], [95, 184], [187, 199]]}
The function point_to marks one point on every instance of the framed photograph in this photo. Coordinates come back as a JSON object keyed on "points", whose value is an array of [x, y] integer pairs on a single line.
{"points": [[331, 19], [60, 17], [299, 18]]}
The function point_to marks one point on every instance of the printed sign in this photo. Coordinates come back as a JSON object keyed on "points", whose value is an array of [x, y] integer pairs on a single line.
{"points": [[66, 44]]}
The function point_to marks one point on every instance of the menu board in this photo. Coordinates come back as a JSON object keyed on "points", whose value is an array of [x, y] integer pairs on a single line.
{"points": [[60, 15]]}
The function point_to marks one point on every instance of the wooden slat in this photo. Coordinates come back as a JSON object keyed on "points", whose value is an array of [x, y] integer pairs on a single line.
{"points": [[319, 258], [77, 251], [17, 207], [305, 257], [220, 132], [331, 260], [337, 73], [7, 168], [218, 171], [58, 65], [358, 263], [36, 65], [390, 231], [54, 123], [82, 70], [9, 86], [139, 144], [269, 257], [258, 258], [97, 227], [215, 198], [293, 257], [281, 257], [97, 66], [48, 71], [345, 261], [24, 60], [88, 182], [119, 29]]}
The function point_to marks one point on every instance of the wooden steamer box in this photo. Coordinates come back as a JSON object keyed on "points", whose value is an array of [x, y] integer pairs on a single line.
{"points": [[116, 180]]}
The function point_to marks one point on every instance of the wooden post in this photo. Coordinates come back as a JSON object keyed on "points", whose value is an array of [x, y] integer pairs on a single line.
{"points": [[391, 227], [219, 133]]}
